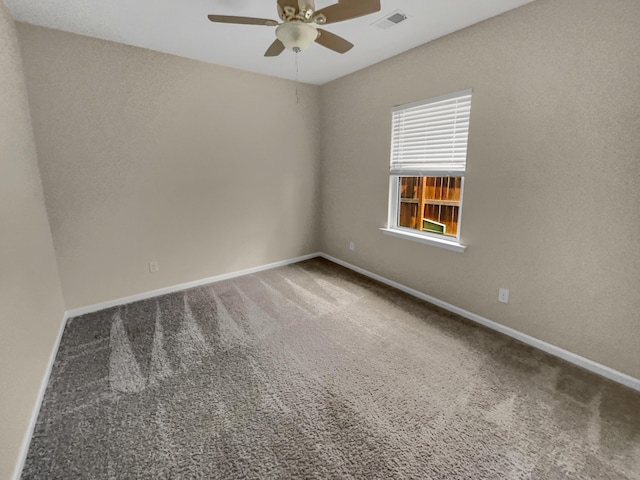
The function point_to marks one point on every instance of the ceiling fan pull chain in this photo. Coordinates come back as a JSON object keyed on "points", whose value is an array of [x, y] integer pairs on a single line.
{"points": [[297, 50]]}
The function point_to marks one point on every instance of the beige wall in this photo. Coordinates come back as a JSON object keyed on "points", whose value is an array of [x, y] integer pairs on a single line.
{"points": [[146, 156], [551, 202], [31, 305]]}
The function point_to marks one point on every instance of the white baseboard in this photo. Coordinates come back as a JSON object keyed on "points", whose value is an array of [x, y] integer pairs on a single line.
{"points": [[590, 365], [585, 363], [24, 449], [183, 286]]}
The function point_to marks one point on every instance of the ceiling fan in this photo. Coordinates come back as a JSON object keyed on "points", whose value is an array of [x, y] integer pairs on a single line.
{"points": [[300, 21]]}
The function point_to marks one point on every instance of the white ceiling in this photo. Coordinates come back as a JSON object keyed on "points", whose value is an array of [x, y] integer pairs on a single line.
{"points": [[181, 27]]}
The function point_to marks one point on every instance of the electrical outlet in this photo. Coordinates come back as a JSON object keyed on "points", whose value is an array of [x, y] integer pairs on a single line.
{"points": [[503, 295], [154, 266], [352, 246]]}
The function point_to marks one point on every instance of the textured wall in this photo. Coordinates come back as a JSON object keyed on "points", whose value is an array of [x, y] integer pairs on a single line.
{"points": [[146, 156], [551, 203], [31, 305]]}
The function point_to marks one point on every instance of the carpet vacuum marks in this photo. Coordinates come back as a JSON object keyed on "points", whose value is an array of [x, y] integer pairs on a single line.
{"points": [[313, 371]]}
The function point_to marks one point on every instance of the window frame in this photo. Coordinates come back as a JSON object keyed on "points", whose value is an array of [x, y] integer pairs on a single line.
{"points": [[430, 238]]}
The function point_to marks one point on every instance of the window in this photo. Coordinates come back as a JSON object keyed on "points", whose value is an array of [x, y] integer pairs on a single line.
{"points": [[428, 161]]}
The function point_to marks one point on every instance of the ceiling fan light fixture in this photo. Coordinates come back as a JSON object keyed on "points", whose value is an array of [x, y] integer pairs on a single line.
{"points": [[296, 35]]}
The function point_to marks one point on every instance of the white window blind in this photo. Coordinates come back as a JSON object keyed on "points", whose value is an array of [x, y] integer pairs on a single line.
{"points": [[429, 138]]}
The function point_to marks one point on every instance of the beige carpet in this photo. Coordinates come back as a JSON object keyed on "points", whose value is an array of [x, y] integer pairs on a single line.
{"points": [[312, 371]]}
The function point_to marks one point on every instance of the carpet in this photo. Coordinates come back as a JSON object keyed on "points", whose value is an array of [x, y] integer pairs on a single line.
{"points": [[312, 371]]}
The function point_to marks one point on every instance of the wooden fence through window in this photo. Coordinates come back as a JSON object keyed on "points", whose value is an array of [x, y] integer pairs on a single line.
{"points": [[436, 199]]}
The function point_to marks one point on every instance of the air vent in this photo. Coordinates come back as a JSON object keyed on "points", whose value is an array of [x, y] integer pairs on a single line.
{"points": [[392, 19]]}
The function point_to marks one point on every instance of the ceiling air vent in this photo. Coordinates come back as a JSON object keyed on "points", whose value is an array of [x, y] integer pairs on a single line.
{"points": [[392, 19]]}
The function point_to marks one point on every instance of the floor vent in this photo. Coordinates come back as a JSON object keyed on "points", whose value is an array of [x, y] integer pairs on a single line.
{"points": [[392, 19]]}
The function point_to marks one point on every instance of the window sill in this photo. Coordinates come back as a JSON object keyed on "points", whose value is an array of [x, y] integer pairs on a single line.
{"points": [[416, 237]]}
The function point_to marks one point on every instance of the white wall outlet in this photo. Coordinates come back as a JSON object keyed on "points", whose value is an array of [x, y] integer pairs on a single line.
{"points": [[503, 295], [352, 246], [154, 266]]}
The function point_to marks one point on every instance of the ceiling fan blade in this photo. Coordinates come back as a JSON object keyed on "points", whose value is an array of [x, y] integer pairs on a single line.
{"points": [[333, 41], [242, 20], [348, 9], [275, 49]]}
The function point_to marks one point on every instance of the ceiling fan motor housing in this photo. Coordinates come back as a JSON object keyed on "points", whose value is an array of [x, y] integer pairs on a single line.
{"points": [[296, 35]]}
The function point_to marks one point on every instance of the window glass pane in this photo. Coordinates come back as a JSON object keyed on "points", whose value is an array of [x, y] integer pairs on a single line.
{"points": [[430, 204]]}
